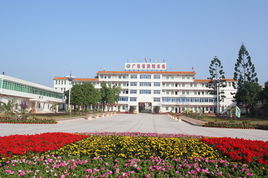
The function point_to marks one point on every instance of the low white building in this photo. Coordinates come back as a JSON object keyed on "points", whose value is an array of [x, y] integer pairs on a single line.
{"points": [[146, 85], [37, 97]]}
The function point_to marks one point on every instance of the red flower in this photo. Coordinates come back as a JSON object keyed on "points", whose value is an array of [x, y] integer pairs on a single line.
{"points": [[22, 144], [241, 149]]}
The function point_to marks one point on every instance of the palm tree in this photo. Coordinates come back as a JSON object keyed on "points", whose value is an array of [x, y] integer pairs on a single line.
{"points": [[8, 108]]}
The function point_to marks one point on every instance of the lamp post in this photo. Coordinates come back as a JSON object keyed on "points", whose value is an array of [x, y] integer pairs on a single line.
{"points": [[70, 79], [217, 81]]}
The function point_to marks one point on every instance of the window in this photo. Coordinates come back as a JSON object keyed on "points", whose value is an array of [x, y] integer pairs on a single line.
{"points": [[124, 91], [125, 84], [145, 76], [145, 91], [133, 91], [156, 76], [133, 83], [10, 85], [157, 84], [145, 84], [132, 99], [156, 91], [123, 98], [133, 76], [156, 99]]}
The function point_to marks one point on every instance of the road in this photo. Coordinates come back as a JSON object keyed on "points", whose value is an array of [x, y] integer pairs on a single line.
{"points": [[132, 123]]}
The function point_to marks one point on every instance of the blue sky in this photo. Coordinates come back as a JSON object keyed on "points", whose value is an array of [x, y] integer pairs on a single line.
{"points": [[43, 39]]}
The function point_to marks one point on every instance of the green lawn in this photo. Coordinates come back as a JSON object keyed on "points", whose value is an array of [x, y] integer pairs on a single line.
{"points": [[253, 121]]}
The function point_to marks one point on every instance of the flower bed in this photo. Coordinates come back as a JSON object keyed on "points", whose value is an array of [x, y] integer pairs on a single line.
{"points": [[235, 125], [7, 120], [240, 149], [23, 144], [141, 134], [138, 147], [130, 154], [154, 167]]}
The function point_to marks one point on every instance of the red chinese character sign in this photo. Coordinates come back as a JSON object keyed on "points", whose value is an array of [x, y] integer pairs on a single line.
{"points": [[144, 66]]}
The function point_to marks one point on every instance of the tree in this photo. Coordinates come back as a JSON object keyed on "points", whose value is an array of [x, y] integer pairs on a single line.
{"points": [[84, 95], [246, 80], [77, 96], [109, 95], [249, 95], [8, 108], [244, 69], [92, 95], [265, 92], [217, 80]]}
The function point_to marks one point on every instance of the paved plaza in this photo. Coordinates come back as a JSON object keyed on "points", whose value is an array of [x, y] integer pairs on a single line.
{"points": [[131, 123]]}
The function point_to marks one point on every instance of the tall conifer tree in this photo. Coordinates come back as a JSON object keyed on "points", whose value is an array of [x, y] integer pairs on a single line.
{"points": [[244, 69], [217, 80], [246, 82]]}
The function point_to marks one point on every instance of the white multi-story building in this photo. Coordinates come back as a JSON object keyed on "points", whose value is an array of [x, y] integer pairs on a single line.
{"points": [[38, 98], [145, 85]]}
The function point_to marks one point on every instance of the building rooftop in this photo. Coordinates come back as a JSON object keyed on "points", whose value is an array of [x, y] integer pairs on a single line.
{"points": [[148, 72]]}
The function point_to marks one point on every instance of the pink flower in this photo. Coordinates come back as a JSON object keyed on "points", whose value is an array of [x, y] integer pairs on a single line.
{"points": [[9, 172], [148, 176], [22, 173], [249, 174], [117, 170], [89, 170], [205, 171]]}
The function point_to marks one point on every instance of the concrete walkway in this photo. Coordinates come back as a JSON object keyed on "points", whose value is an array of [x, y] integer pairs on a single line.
{"points": [[132, 123]]}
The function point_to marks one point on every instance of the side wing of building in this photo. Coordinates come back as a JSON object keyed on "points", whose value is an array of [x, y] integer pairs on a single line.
{"points": [[37, 97]]}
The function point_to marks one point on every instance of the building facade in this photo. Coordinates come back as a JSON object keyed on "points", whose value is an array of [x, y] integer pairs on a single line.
{"points": [[146, 85], [38, 98]]}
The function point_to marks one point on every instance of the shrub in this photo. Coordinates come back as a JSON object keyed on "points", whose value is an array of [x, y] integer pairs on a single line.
{"points": [[132, 109], [156, 109]]}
